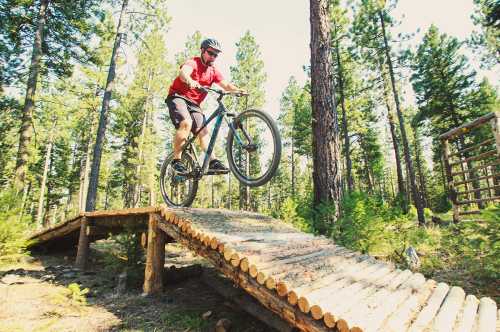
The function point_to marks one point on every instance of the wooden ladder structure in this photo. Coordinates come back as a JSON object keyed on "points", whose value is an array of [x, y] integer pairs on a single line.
{"points": [[309, 281], [471, 157]]}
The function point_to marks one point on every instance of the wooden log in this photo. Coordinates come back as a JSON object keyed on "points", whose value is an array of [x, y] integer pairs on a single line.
{"points": [[83, 245], [264, 296], [477, 179], [468, 316], [155, 257], [474, 201], [374, 320], [450, 134], [450, 308], [480, 156], [401, 318], [478, 190], [348, 297], [486, 315], [473, 147], [430, 309], [122, 212], [327, 299], [496, 163], [344, 272], [364, 307], [495, 126]]}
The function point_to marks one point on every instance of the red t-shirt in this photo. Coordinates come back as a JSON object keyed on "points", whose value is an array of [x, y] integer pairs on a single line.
{"points": [[205, 75]]}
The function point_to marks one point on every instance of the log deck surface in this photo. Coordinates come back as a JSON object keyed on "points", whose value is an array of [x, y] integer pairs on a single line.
{"points": [[309, 281]]}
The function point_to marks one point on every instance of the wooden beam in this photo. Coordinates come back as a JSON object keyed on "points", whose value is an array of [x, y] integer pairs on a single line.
{"points": [[83, 245], [487, 199], [465, 128], [475, 158], [496, 163], [155, 258], [473, 147], [477, 179]]}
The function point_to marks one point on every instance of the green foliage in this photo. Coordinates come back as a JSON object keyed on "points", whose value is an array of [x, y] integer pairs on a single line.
{"points": [[13, 231], [486, 41], [475, 245], [371, 226], [76, 294], [289, 214]]}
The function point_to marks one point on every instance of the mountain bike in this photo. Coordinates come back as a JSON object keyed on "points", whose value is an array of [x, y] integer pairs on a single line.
{"points": [[253, 149]]}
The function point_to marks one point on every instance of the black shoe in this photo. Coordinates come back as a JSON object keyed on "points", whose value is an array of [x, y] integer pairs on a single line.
{"points": [[216, 167], [179, 167]]}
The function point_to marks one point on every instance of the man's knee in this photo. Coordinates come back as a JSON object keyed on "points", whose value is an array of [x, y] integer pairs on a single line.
{"points": [[185, 125]]}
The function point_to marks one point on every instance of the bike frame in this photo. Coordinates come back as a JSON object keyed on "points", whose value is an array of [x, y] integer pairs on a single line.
{"points": [[219, 114]]}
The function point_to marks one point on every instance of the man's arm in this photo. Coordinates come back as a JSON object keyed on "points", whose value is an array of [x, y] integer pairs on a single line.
{"points": [[230, 87], [185, 75]]}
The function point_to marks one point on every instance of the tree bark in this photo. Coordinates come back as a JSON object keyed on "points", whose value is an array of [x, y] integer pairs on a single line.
{"points": [[326, 153], [406, 148], [103, 119], [29, 101]]}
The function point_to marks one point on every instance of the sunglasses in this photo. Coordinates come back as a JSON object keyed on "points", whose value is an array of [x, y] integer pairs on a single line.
{"points": [[211, 53]]}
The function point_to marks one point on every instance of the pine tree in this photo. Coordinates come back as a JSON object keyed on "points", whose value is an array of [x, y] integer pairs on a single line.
{"points": [[59, 33], [326, 147], [487, 41]]}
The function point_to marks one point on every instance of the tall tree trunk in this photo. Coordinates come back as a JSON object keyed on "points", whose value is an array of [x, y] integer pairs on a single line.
{"points": [[84, 175], [326, 153], [29, 101], [406, 148], [48, 153], [103, 119], [423, 185], [345, 132], [394, 137]]}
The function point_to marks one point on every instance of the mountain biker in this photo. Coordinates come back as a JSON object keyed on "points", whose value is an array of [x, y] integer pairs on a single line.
{"points": [[184, 99]]}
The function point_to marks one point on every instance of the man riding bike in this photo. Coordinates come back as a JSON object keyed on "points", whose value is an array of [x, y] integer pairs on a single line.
{"points": [[184, 99]]}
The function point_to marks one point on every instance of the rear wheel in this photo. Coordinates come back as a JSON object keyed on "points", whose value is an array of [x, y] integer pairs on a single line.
{"points": [[253, 148], [178, 190]]}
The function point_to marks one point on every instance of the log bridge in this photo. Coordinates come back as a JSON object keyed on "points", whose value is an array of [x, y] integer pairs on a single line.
{"points": [[307, 280]]}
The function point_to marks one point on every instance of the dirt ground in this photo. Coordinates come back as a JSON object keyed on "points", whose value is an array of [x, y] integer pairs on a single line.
{"points": [[38, 295]]}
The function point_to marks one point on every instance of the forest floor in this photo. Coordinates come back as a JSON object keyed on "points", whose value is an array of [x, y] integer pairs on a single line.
{"points": [[37, 296]]}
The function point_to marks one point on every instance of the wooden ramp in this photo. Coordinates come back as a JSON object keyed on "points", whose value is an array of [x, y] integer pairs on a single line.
{"points": [[307, 280]]}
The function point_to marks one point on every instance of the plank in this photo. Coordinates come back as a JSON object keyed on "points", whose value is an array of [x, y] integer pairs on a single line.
{"points": [[431, 308], [468, 315], [487, 315], [450, 308]]}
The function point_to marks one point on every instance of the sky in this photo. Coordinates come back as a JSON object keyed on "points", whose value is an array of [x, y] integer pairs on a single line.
{"points": [[281, 29]]}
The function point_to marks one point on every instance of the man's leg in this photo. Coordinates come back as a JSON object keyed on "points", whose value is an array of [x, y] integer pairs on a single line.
{"points": [[181, 136]]}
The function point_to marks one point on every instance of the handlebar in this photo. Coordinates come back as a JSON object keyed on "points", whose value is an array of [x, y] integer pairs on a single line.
{"points": [[222, 93]]}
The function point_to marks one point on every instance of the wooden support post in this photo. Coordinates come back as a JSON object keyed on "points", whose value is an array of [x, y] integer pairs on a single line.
{"points": [[495, 126], [83, 245], [155, 258], [451, 188]]}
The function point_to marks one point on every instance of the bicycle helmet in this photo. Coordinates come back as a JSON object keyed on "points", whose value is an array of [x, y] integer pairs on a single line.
{"points": [[210, 42]]}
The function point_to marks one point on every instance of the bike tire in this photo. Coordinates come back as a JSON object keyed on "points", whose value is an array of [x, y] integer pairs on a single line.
{"points": [[165, 176], [276, 144]]}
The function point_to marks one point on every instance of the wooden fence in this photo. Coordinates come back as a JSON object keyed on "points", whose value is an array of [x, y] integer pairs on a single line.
{"points": [[471, 157]]}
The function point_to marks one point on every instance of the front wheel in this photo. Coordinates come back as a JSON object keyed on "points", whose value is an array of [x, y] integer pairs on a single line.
{"points": [[178, 190], [253, 148]]}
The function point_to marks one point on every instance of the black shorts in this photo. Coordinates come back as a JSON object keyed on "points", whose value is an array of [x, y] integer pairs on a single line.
{"points": [[181, 109]]}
